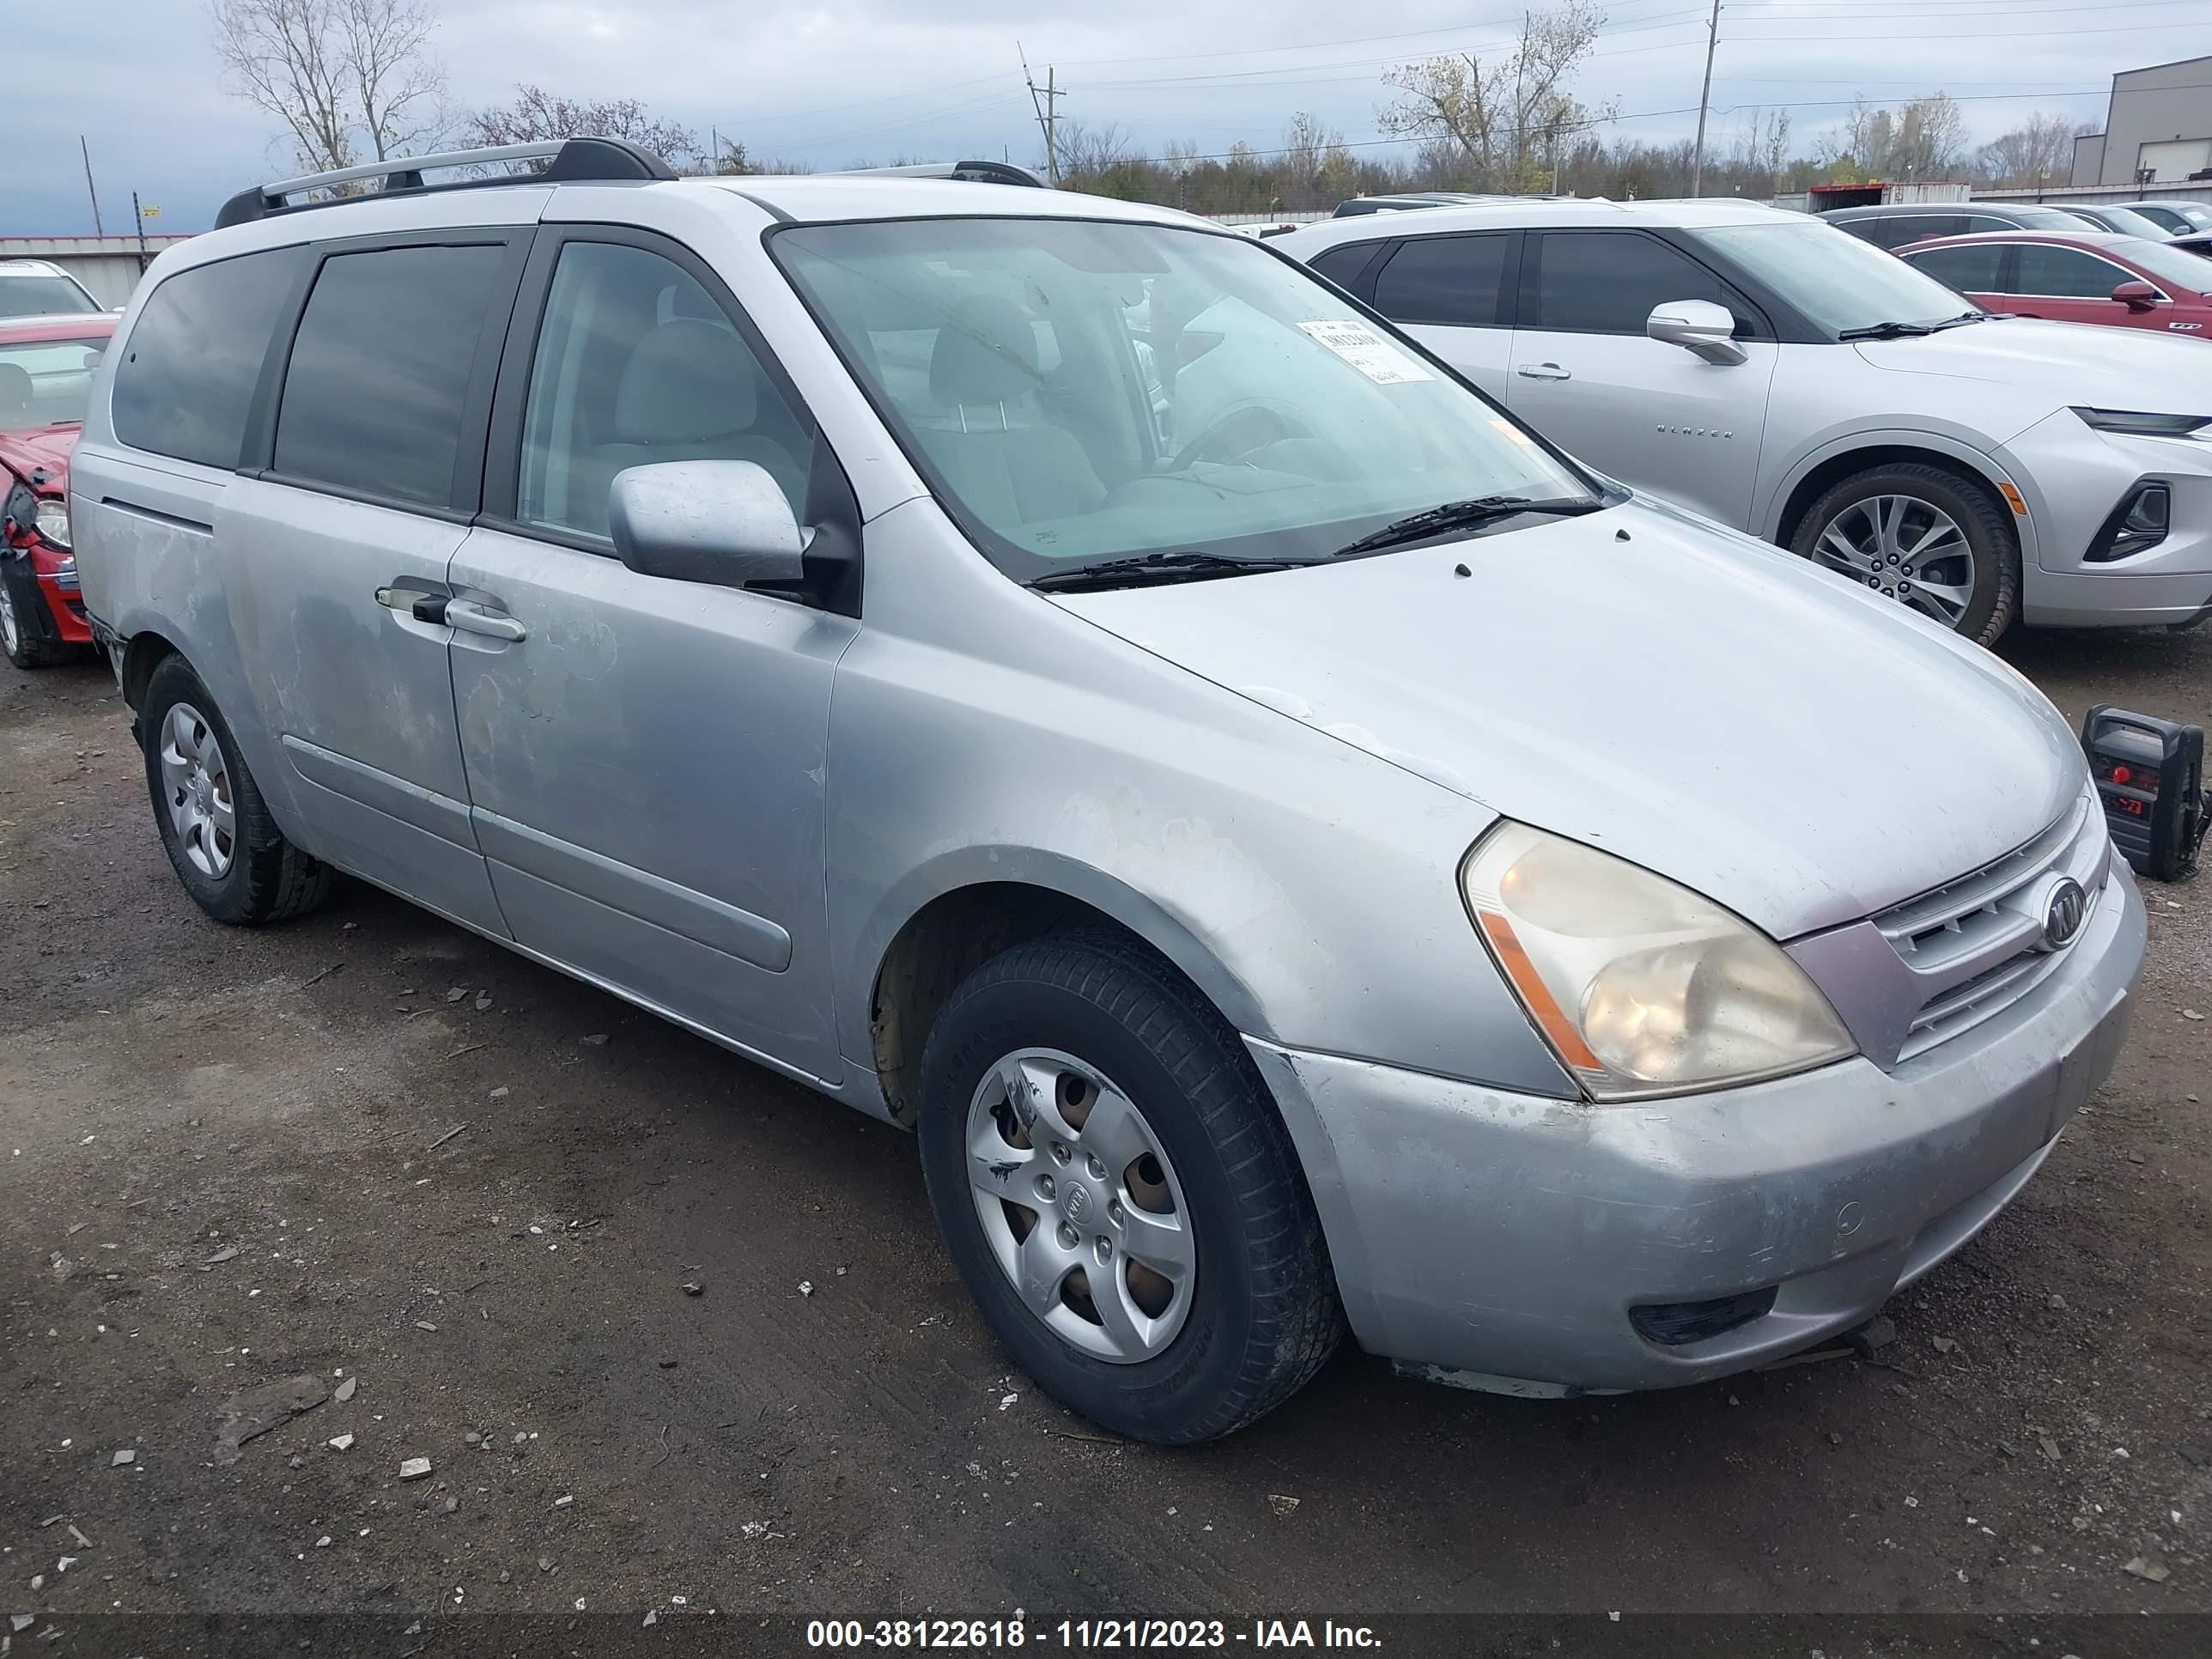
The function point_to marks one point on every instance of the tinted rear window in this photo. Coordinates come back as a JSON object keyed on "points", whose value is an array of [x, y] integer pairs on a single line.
{"points": [[375, 393], [1450, 280], [1969, 269], [188, 369], [1342, 265]]}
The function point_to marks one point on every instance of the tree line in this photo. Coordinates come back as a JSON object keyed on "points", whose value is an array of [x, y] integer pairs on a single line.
{"points": [[357, 80]]}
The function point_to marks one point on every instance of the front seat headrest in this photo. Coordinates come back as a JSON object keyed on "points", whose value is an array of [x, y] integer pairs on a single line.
{"points": [[686, 382], [986, 353]]}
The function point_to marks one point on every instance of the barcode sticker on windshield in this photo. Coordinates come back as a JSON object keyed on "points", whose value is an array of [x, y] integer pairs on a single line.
{"points": [[1368, 352]]}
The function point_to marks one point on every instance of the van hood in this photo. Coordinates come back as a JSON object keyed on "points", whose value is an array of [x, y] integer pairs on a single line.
{"points": [[2070, 364], [1652, 684]]}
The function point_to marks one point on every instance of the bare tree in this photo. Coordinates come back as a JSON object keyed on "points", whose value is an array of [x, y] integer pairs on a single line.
{"points": [[1505, 118], [1931, 137], [399, 87], [346, 77], [2041, 148], [537, 115], [1087, 151]]}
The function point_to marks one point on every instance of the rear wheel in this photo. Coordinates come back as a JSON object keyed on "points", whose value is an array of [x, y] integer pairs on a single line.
{"points": [[26, 627], [1119, 1193], [1933, 540], [221, 840]]}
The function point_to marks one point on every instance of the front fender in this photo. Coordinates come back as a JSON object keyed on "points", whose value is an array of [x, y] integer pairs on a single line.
{"points": [[1955, 444]]}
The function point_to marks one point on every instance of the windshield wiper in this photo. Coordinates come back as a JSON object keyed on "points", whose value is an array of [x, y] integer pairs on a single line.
{"points": [[1466, 515], [1146, 567], [1887, 331], [1966, 316]]}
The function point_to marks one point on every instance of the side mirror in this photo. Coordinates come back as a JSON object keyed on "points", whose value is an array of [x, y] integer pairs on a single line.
{"points": [[723, 522], [1699, 326], [2135, 296]]}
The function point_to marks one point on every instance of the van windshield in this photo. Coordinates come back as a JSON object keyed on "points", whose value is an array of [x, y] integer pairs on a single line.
{"points": [[1078, 391]]}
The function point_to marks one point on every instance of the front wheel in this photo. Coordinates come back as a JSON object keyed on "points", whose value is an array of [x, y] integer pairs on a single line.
{"points": [[1119, 1193], [1933, 540]]}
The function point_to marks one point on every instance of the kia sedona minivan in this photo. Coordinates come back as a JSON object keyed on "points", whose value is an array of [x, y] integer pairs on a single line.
{"points": [[1299, 850]]}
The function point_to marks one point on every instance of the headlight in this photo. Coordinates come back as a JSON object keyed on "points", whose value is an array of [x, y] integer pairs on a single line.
{"points": [[53, 522], [2138, 424], [1643, 987]]}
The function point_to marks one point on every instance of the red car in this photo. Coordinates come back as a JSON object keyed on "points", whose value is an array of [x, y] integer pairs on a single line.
{"points": [[2077, 277], [46, 365]]}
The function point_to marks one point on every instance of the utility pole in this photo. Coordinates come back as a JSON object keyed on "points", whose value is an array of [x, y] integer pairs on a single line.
{"points": [[138, 218], [85, 150], [1705, 100], [1044, 100]]}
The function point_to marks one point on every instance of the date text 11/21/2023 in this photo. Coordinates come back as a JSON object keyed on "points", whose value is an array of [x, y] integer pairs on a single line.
{"points": [[1084, 1634]]}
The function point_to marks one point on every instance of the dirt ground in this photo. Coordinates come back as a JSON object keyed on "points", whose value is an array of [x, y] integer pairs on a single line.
{"points": [[371, 1147]]}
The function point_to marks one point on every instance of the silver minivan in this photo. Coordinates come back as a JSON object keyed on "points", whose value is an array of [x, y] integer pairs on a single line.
{"points": [[1327, 860]]}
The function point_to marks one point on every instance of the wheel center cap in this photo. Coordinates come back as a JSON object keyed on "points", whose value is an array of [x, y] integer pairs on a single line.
{"points": [[1077, 1203]]}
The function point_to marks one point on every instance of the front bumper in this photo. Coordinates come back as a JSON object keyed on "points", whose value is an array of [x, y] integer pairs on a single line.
{"points": [[2073, 478], [1505, 1238]]}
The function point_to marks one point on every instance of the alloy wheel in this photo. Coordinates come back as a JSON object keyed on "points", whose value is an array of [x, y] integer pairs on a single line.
{"points": [[11, 638], [1906, 549], [1080, 1207], [196, 790]]}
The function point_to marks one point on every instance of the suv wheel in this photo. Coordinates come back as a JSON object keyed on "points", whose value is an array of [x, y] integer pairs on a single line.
{"points": [[221, 841], [26, 634], [1119, 1193], [1929, 538]]}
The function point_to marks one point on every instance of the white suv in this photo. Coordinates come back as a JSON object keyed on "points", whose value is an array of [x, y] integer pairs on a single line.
{"points": [[1789, 379]]}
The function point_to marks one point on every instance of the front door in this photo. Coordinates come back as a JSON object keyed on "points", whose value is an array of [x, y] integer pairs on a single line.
{"points": [[2069, 285], [1587, 376], [336, 557], [646, 757]]}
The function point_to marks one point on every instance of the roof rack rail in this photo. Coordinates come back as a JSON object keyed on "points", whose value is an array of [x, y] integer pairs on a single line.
{"points": [[568, 160], [980, 172]]}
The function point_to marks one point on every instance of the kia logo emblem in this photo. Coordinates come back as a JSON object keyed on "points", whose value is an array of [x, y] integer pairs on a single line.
{"points": [[2062, 916]]}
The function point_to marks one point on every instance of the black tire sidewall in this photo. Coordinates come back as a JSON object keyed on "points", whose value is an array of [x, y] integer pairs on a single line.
{"points": [[1997, 552], [228, 897], [1173, 1397], [36, 645]]}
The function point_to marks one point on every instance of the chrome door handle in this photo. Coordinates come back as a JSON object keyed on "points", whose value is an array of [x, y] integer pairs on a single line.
{"points": [[471, 617], [421, 604], [1543, 372]]}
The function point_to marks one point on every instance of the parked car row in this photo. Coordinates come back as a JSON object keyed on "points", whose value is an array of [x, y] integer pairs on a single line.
{"points": [[1301, 845], [1790, 381]]}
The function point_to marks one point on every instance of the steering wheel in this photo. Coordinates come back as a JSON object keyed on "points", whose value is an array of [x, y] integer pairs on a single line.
{"points": [[1235, 432]]}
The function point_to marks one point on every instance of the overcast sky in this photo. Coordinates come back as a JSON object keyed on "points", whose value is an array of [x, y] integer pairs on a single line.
{"points": [[837, 82]]}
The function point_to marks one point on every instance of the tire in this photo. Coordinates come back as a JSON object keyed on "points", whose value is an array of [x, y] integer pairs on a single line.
{"points": [[26, 627], [1985, 535], [1256, 1313], [239, 869]]}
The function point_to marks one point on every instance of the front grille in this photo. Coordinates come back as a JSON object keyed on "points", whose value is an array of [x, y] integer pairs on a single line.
{"points": [[1974, 946]]}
